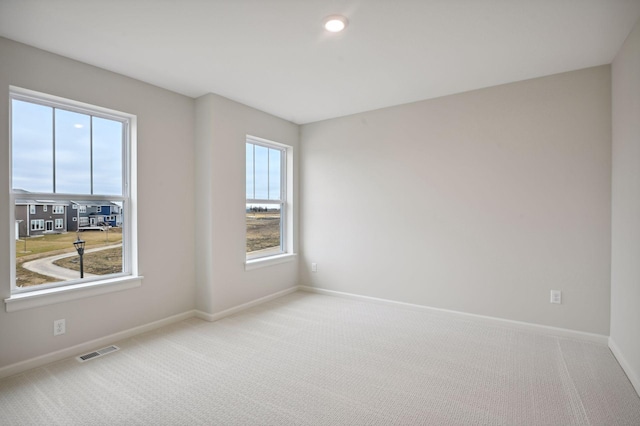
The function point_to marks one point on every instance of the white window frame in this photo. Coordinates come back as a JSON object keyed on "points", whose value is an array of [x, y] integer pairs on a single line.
{"points": [[32, 209], [285, 202], [44, 207], [41, 295], [37, 224], [59, 223], [58, 209]]}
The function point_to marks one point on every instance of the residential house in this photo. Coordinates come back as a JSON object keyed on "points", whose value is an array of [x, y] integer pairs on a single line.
{"points": [[93, 214], [38, 217]]}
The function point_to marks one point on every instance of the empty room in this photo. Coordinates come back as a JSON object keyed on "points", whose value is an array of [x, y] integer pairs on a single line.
{"points": [[440, 222]]}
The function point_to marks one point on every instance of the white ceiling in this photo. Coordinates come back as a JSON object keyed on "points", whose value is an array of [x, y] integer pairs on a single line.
{"points": [[274, 55]]}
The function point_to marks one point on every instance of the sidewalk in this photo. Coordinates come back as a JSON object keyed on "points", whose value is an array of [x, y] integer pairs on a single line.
{"points": [[46, 267]]}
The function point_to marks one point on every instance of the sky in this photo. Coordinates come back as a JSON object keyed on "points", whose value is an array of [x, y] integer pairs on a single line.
{"points": [[47, 140], [263, 172]]}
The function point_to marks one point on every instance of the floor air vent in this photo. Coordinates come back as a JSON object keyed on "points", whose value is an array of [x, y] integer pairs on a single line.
{"points": [[98, 353]]}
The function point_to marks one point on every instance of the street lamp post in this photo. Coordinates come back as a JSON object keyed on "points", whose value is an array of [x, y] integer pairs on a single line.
{"points": [[79, 245]]}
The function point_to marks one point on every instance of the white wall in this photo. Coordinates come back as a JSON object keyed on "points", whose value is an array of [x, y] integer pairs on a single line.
{"points": [[480, 202], [165, 192], [625, 250], [221, 129]]}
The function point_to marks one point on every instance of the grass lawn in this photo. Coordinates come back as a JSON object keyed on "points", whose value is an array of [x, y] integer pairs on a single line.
{"points": [[53, 244]]}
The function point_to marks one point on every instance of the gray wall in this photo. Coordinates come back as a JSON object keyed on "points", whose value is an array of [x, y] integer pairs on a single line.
{"points": [[480, 202], [625, 250], [165, 190], [221, 129]]}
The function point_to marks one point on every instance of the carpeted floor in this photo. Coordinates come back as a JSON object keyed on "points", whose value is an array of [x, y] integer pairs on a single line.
{"points": [[308, 359]]}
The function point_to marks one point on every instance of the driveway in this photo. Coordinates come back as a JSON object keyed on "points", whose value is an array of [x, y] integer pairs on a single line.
{"points": [[46, 267]]}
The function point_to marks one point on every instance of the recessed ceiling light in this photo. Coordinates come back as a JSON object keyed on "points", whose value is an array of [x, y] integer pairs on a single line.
{"points": [[335, 23]]}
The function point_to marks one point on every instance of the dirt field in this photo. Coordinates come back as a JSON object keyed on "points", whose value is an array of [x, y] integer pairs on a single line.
{"points": [[26, 278], [99, 263], [263, 230]]}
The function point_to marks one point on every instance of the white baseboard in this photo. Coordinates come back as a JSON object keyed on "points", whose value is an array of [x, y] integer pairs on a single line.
{"points": [[632, 375], [72, 351], [218, 315], [543, 329]]}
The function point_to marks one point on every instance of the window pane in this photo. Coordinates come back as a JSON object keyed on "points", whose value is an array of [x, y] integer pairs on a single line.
{"points": [[73, 152], [263, 229], [261, 172], [32, 146], [275, 158], [43, 236], [249, 170], [107, 156]]}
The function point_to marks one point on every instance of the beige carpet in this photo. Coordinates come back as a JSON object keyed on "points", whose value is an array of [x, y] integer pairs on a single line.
{"points": [[308, 359]]}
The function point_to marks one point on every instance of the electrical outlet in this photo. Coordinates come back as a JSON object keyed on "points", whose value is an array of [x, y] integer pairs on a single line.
{"points": [[314, 267], [59, 327], [556, 296]]}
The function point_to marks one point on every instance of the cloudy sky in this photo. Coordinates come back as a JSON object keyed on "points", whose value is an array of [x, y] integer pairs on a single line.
{"points": [[52, 145]]}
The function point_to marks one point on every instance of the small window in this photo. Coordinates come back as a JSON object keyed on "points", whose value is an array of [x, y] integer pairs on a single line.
{"points": [[37, 225], [32, 209], [99, 209], [265, 209], [82, 209], [44, 208], [59, 224], [58, 209]]}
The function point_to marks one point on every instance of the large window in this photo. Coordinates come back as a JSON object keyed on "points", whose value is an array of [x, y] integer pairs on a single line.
{"points": [[266, 203], [69, 154]]}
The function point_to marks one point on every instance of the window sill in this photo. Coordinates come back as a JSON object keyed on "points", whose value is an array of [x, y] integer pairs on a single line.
{"points": [[34, 299], [269, 261]]}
